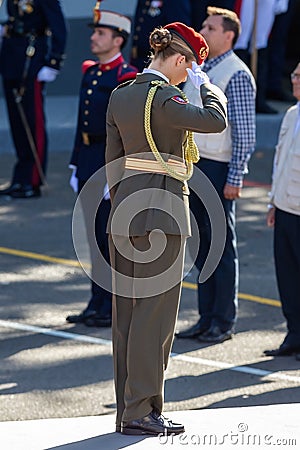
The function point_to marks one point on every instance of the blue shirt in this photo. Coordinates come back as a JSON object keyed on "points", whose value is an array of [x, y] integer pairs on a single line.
{"points": [[240, 94]]}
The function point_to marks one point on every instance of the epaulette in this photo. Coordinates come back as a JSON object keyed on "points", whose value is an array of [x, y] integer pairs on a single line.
{"points": [[126, 72], [87, 64], [168, 92], [126, 83]]}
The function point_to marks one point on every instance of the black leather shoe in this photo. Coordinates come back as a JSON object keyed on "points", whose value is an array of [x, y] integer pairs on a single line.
{"points": [[98, 321], [26, 191], [12, 188], [193, 331], [283, 350], [153, 424], [80, 318], [215, 335]]}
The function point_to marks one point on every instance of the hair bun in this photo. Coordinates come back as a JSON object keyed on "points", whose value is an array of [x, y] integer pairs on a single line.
{"points": [[160, 38]]}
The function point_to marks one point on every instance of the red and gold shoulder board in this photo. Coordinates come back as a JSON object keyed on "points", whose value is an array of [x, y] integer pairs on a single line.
{"points": [[87, 64], [179, 99]]}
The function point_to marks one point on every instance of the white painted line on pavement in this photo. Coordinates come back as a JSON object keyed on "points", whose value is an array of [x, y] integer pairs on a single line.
{"points": [[56, 333], [176, 356], [243, 369]]}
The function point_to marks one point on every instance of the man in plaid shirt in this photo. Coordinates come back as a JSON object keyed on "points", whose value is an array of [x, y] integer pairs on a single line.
{"points": [[223, 159]]}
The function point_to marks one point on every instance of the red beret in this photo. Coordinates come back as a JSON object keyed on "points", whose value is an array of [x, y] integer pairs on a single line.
{"points": [[194, 40]]}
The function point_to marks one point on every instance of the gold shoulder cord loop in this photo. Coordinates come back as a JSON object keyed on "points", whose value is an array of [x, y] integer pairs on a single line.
{"points": [[191, 153]]}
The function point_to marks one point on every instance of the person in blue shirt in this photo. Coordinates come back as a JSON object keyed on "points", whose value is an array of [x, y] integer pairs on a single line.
{"points": [[110, 34], [32, 52], [223, 159]]}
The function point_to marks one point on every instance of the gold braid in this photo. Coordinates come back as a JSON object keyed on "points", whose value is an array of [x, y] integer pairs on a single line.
{"points": [[191, 153]]}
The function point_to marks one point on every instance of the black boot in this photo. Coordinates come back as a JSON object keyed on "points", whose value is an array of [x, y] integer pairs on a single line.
{"points": [[261, 83], [11, 188]]}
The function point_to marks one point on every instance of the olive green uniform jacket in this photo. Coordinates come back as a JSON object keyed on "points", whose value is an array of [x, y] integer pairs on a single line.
{"points": [[170, 118]]}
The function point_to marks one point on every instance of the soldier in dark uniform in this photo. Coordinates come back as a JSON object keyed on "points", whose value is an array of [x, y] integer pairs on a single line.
{"points": [[32, 52], [150, 14], [110, 34], [149, 156]]}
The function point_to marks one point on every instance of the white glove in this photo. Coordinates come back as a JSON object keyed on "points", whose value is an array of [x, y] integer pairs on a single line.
{"points": [[47, 74], [74, 180], [106, 195], [197, 76]]}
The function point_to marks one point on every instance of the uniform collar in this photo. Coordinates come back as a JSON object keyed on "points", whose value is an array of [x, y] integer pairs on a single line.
{"points": [[157, 72], [111, 64], [147, 77]]}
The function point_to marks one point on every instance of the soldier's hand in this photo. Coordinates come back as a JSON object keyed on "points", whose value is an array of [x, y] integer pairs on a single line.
{"points": [[197, 76], [74, 181], [47, 74]]}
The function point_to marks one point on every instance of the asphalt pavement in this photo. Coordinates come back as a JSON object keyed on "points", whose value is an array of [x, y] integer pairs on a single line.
{"points": [[56, 379]]}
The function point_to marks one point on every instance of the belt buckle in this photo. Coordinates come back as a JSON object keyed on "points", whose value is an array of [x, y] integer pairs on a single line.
{"points": [[85, 138]]}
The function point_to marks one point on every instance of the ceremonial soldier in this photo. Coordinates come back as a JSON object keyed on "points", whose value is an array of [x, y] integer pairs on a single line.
{"points": [[150, 14], [150, 154], [110, 34], [32, 53]]}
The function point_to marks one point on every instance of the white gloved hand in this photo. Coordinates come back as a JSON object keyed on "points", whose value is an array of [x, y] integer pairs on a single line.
{"points": [[74, 180], [106, 195], [197, 76], [47, 74]]}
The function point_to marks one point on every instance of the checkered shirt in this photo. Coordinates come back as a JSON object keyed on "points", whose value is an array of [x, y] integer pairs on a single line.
{"points": [[241, 116]]}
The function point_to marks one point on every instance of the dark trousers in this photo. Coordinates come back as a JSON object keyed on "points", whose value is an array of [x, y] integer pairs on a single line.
{"points": [[217, 296], [287, 264], [25, 170], [101, 299]]}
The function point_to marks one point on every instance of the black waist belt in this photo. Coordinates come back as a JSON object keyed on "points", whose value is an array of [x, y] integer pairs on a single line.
{"points": [[89, 139]]}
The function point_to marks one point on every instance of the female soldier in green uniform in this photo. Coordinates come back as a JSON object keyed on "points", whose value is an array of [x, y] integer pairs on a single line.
{"points": [[149, 158]]}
